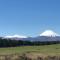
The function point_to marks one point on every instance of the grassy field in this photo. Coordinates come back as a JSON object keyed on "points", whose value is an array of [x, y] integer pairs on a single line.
{"points": [[46, 50]]}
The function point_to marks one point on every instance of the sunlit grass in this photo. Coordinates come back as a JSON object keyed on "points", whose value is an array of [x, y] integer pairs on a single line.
{"points": [[47, 49]]}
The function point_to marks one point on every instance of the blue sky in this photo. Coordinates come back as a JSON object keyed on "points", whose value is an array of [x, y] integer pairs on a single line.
{"points": [[29, 17]]}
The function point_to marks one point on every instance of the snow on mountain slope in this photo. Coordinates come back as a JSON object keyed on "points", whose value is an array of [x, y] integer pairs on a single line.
{"points": [[49, 33], [16, 36]]}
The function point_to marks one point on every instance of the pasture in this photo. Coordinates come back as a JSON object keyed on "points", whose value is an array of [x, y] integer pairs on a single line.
{"points": [[30, 51]]}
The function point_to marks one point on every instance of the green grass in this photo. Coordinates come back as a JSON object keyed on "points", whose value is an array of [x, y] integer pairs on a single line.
{"points": [[47, 49]]}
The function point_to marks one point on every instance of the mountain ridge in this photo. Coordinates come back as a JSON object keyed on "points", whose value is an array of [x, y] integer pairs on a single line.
{"points": [[47, 35]]}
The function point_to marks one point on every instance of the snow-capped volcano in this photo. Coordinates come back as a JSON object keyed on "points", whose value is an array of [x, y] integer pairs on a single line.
{"points": [[49, 33], [16, 36]]}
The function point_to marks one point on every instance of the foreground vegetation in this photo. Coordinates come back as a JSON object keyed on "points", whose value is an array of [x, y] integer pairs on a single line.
{"points": [[45, 52], [45, 49], [29, 50]]}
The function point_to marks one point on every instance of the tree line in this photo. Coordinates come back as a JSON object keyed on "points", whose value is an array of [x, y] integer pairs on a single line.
{"points": [[13, 43]]}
